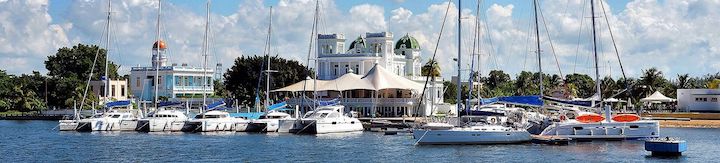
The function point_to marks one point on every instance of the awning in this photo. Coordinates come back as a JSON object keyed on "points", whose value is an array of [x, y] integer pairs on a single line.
{"points": [[657, 97], [377, 78]]}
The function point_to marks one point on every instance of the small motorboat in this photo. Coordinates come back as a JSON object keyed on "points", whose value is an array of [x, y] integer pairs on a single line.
{"points": [[666, 146]]}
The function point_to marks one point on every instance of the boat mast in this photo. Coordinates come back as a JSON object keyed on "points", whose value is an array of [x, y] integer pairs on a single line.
{"points": [[537, 38], [268, 71], [459, 58], [107, 50], [597, 69], [157, 50], [314, 32], [472, 62], [205, 53]]}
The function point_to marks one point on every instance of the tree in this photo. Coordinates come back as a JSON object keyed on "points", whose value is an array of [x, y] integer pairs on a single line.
{"points": [[69, 70], [450, 94], [77, 61], [525, 84], [581, 85], [219, 88], [431, 68], [243, 78], [683, 81]]}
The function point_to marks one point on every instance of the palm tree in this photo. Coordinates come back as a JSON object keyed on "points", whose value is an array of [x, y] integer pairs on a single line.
{"points": [[431, 68], [652, 79], [683, 81]]}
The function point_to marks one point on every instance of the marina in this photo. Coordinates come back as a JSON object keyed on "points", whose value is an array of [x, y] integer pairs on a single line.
{"points": [[429, 86], [24, 139]]}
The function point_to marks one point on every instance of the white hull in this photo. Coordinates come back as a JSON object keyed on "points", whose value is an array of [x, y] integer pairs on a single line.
{"points": [[324, 126], [209, 125], [68, 125], [604, 130], [468, 135], [107, 124], [264, 125], [161, 125]]}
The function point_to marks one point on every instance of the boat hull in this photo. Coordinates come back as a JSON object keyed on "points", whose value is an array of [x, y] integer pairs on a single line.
{"points": [[106, 124], [160, 125], [604, 130], [208, 126], [444, 137], [68, 125], [324, 127]]}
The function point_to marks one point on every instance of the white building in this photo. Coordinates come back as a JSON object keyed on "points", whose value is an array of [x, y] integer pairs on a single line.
{"points": [[173, 81], [698, 100], [401, 59], [118, 90]]}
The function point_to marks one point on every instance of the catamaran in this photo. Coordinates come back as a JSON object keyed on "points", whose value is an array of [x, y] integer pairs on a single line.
{"points": [[215, 119], [112, 119], [583, 125], [165, 118], [326, 119]]}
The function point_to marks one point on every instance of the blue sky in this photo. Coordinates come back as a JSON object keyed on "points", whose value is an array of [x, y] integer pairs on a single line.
{"points": [[677, 36]]}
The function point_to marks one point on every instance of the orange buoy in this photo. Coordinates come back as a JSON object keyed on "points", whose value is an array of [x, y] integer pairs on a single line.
{"points": [[626, 118], [589, 118]]}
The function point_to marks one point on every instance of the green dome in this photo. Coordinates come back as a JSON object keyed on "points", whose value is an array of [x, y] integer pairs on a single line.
{"points": [[359, 42], [409, 42]]}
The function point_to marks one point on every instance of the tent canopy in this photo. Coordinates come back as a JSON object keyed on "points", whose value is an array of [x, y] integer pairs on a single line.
{"points": [[376, 79], [657, 97]]}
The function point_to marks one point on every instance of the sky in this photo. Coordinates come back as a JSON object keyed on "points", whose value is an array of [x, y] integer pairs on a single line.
{"points": [[677, 37]]}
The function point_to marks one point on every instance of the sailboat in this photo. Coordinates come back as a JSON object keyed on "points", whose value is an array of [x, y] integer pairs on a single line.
{"points": [[214, 119], [112, 118], [468, 133], [326, 117], [270, 120], [166, 116], [584, 125]]}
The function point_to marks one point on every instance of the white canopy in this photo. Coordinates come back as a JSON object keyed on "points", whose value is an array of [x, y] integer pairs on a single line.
{"points": [[376, 79], [349, 81], [308, 86], [657, 97], [382, 79]]}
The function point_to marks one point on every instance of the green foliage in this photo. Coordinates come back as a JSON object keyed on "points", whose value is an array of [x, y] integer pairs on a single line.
{"points": [[219, 88], [431, 68], [241, 80], [581, 85]]}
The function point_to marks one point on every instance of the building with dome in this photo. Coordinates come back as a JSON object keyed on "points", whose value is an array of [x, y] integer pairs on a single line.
{"points": [[365, 55], [174, 81]]}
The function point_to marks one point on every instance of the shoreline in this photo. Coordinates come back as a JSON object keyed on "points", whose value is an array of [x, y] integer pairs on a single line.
{"points": [[690, 124]]}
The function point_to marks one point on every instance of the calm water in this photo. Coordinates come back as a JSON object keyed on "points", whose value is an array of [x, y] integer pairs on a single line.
{"points": [[23, 141]]}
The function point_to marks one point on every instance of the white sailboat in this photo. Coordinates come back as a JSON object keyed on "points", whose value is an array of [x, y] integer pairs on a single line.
{"points": [[468, 133], [163, 119], [327, 118], [215, 120], [594, 126], [166, 117], [111, 119]]}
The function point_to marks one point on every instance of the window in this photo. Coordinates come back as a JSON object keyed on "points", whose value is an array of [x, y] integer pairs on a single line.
{"points": [[137, 81], [402, 52], [122, 91], [102, 91], [346, 69], [112, 91], [336, 67], [714, 99]]}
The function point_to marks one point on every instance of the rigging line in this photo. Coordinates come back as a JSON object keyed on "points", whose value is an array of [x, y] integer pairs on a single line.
{"points": [[309, 70], [552, 47], [577, 49], [612, 37], [432, 59], [492, 46], [526, 49]]}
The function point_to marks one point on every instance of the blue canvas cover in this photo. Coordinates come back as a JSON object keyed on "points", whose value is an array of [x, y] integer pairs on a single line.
{"points": [[117, 104]]}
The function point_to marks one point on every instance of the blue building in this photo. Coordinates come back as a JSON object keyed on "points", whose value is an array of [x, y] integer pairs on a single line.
{"points": [[173, 81]]}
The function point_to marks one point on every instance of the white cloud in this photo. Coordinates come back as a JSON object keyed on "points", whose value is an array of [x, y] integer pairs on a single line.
{"points": [[27, 35], [678, 36]]}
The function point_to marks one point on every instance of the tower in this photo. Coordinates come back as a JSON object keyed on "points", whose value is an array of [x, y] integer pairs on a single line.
{"points": [[330, 43], [409, 48], [159, 59]]}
